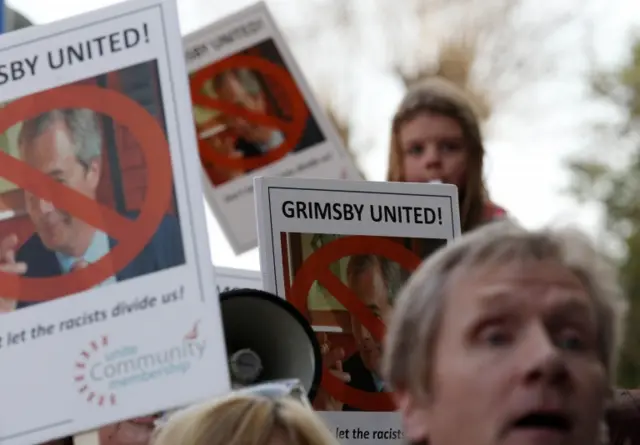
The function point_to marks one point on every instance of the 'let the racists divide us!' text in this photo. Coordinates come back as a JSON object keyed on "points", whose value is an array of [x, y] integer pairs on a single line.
{"points": [[73, 54], [377, 213]]}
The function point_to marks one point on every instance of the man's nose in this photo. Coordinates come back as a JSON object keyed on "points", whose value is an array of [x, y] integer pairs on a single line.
{"points": [[37, 204], [366, 335], [45, 206], [543, 361]]}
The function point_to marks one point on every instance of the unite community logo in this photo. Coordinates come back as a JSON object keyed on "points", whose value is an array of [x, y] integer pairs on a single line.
{"points": [[101, 370]]}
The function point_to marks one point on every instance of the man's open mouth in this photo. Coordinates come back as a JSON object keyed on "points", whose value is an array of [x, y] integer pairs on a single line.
{"points": [[553, 421]]}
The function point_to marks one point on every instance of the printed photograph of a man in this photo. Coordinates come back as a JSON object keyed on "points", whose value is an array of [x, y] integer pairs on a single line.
{"points": [[236, 137], [91, 154], [350, 351], [242, 86], [374, 280]]}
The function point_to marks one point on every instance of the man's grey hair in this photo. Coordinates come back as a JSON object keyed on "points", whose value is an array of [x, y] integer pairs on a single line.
{"points": [[412, 334], [246, 77], [391, 272], [83, 127]]}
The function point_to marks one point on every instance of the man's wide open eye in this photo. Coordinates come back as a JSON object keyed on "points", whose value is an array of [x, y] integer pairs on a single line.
{"points": [[494, 333], [496, 336], [572, 340]]}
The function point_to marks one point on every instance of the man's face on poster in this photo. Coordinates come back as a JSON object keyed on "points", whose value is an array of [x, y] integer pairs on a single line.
{"points": [[54, 153], [231, 90], [372, 290]]}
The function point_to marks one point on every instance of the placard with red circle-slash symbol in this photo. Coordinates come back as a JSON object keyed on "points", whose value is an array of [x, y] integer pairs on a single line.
{"points": [[316, 268], [132, 235], [293, 130]]}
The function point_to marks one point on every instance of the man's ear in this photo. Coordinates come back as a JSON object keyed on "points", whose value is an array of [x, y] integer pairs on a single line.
{"points": [[414, 416], [94, 172]]}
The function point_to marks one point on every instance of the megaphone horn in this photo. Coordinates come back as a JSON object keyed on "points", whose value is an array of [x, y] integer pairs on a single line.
{"points": [[267, 340]]}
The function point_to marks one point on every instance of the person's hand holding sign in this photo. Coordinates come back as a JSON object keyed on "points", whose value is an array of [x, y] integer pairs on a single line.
{"points": [[331, 358]]}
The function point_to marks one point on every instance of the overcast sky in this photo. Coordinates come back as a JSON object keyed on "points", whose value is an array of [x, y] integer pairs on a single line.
{"points": [[527, 142]]}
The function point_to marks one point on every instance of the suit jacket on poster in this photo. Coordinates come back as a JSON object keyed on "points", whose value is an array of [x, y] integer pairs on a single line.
{"points": [[248, 149], [361, 377], [163, 251], [311, 136]]}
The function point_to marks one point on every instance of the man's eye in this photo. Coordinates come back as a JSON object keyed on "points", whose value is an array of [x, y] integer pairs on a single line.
{"points": [[496, 336], [571, 341]]}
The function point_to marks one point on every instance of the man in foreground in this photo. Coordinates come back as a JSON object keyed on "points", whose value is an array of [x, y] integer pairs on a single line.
{"points": [[506, 336]]}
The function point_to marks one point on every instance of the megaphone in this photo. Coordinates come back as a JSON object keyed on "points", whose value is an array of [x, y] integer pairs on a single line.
{"points": [[267, 340]]}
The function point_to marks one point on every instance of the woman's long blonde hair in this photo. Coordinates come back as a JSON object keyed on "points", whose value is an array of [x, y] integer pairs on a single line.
{"points": [[439, 96], [244, 420]]}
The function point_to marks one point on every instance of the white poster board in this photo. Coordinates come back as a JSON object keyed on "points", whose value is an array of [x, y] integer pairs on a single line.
{"points": [[255, 116], [110, 312], [340, 251], [228, 278]]}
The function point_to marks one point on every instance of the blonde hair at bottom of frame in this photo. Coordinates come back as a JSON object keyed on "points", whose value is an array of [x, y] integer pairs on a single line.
{"points": [[245, 420]]}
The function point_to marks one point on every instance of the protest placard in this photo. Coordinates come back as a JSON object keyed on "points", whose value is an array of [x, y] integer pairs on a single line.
{"points": [[106, 284], [228, 279], [139, 430], [339, 251], [255, 115]]}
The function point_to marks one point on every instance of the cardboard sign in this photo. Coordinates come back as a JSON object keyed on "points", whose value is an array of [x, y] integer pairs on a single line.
{"points": [[340, 251], [140, 430], [255, 116], [105, 268]]}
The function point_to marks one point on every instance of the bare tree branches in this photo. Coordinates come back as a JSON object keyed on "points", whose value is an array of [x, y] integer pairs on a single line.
{"points": [[490, 48], [343, 126]]}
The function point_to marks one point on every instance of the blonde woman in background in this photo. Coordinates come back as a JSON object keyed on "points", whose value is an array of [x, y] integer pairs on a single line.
{"points": [[245, 419]]}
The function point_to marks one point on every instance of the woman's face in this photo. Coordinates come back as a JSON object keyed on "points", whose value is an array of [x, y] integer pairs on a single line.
{"points": [[433, 149]]}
